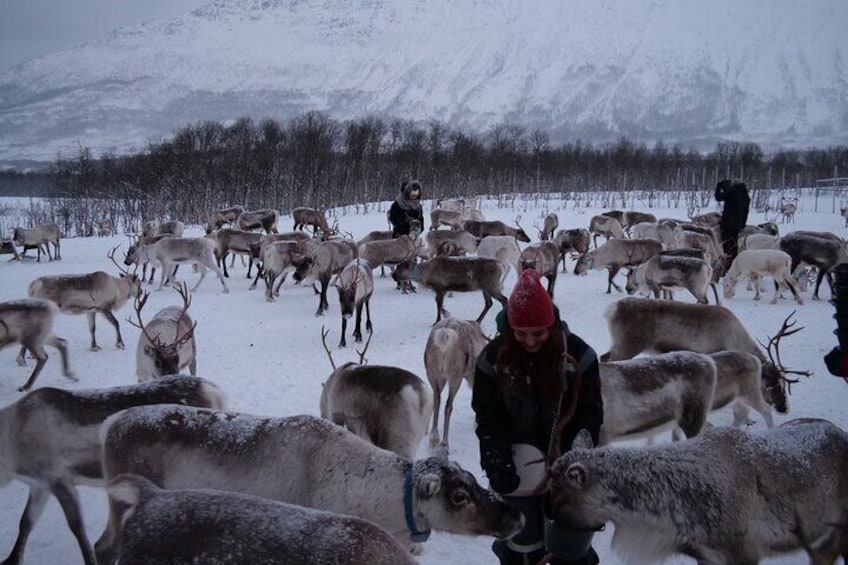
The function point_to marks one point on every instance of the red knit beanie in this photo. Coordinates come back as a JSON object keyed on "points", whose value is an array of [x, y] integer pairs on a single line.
{"points": [[529, 305]]}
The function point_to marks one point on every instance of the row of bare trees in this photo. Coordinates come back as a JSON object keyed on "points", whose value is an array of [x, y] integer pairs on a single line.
{"points": [[317, 161]]}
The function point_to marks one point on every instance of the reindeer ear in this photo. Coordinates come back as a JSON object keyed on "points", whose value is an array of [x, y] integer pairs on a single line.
{"points": [[575, 476], [583, 440], [427, 485]]}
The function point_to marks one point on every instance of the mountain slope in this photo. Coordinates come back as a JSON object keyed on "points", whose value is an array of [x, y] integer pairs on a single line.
{"points": [[772, 72]]}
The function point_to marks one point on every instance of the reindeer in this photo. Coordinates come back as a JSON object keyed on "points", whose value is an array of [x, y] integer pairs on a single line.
{"points": [[631, 217], [311, 217], [173, 251], [788, 207], [822, 253], [644, 395], [355, 284], [387, 406], [637, 325], [7, 247], [50, 439], [701, 499], [324, 261], [755, 263], [105, 227], [769, 228], [574, 240], [443, 216], [607, 226], [449, 357], [30, 323], [457, 274], [170, 227], [615, 254], [710, 219], [544, 258], [257, 250], [666, 270], [465, 242], [481, 228], [265, 219], [159, 526], [739, 383], [218, 218], [843, 211], [300, 460], [549, 224], [278, 259], [229, 240], [89, 294], [504, 248], [167, 343], [42, 235], [382, 252], [134, 257]]}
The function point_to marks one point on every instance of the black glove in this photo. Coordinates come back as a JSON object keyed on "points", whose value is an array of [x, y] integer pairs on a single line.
{"points": [[503, 482]]}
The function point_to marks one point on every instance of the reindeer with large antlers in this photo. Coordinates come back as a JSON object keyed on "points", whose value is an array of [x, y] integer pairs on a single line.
{"points": [[482, 228], [167, 342]]}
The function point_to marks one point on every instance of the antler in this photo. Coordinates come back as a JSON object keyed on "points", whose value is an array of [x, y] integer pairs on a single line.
{"points": [[774, 342], [324, 333], [184, 294], [138, 305], [111, 256], [362, 359]]}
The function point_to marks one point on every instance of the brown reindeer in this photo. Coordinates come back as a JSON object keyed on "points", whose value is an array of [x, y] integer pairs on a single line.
{"points": [[458, 274], [311, 217]]}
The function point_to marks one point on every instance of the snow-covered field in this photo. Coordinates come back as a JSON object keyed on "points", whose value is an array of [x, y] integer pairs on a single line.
{"points": [[269, 359]]}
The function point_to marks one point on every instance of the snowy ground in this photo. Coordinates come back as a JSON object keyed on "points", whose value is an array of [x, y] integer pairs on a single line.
{"points": [[269, 358]]}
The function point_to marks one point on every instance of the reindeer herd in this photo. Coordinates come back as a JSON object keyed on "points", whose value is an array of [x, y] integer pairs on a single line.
{"points": [[173, 460]]}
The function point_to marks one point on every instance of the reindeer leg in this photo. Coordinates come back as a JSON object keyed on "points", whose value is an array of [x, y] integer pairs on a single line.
{"points": [[790, 282], [322, 300], [357, 330], [91, 323], [21, 358], [111, 317], [35, 504], [217, 271], [106, 547], [818, 284], [62, 345], [69, 500], [487, 299], [452, 390], [342, 341], [368, 325], [40, 360], [434, 429]]}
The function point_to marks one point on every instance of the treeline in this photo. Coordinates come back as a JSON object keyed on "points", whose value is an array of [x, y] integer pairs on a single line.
{"points": [[317, 161]]}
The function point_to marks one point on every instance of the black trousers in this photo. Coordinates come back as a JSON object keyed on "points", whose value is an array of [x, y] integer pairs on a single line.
{"points": [[528, 546]]}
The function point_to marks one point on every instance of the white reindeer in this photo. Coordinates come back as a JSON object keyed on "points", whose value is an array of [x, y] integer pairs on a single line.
{"points": [[727, 496], [173, 251], [300, 460], [755, 263], [615, 254], [50, 439], [504, 248], [449, 357]]}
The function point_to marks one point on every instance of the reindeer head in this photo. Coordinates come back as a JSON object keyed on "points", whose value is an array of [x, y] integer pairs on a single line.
{"points": [[165, 356], [776, 383]]}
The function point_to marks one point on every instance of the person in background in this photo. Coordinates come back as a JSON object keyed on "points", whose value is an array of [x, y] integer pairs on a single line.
{"points": [[534, 376], [405, 213], [734, 216]]}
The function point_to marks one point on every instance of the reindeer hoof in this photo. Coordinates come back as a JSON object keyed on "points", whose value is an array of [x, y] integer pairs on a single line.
{"points": [[20, 361], [95, 348], [120, 345], [71, 377]]}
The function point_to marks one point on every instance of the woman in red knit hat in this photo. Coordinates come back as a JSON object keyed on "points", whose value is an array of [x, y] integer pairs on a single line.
{"points": [[534, 376]]}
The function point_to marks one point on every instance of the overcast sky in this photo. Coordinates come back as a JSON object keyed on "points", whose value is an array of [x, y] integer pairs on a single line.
{"points": [[30, 28]]}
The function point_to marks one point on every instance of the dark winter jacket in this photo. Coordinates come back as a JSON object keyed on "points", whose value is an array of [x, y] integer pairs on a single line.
{"points": [[405, 210], [736, 205], [504, 419]]}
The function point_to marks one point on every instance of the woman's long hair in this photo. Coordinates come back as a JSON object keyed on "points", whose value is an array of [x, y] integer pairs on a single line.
{"points": [[542, 382]]}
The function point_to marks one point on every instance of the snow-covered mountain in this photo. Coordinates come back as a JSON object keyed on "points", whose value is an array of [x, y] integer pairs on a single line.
{"points": [[767, 71]]}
